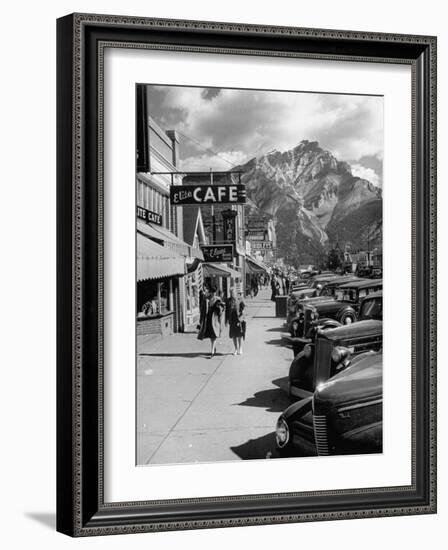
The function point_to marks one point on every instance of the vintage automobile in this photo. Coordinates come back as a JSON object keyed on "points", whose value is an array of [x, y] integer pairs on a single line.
{"points": [[343, 415], [294, 297], [344, 305], [309, 286], [325, 290], [299, 292], [317, 281], [325, 343]]}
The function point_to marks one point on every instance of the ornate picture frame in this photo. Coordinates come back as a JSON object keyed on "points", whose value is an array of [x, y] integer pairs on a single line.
{"points": [[81, 506]]}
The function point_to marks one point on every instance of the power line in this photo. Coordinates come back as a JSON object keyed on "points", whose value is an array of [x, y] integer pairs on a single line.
{"points": [[201, 146], [207, 149]]}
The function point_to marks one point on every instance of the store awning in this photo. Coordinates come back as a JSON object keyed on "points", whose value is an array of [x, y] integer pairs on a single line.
{"points": [[219, 270], [163, 235], [255, 267], [155, 261]]}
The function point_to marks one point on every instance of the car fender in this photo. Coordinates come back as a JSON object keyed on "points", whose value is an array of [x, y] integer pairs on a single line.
{"points": [[294, 341], [342, 313], [300, 363], [325, 323], [298, 409]]}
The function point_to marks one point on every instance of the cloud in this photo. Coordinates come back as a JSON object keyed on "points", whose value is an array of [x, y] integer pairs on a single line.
{"points": [[206, 161], [366, 173], [247, 123]]}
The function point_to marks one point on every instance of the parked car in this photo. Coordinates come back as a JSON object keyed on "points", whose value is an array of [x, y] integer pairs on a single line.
{"points": [[306, 268], [344, 305], [306, 275], [323, 349], [327, 290], [321, 278], [343, 415], [295, 296]]}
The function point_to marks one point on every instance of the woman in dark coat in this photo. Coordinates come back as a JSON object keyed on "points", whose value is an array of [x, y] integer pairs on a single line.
{"points": [[236, 319], [273, 288], [211, 319]]}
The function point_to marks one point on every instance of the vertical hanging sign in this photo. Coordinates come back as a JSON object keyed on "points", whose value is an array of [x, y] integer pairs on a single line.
{"points": [[229, 225]]}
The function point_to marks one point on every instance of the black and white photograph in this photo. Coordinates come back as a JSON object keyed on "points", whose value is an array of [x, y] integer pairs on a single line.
{"points": [[259, 239]]}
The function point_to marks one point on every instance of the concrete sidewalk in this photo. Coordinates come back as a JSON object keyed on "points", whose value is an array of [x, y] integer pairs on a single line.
{"points": [[191, 408]]}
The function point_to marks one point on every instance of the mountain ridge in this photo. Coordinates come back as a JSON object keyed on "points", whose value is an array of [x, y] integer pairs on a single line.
{"points": [[314, 199]]}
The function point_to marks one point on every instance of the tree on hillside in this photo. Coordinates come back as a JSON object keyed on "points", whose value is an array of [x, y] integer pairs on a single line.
{"points": [[334, 258]]}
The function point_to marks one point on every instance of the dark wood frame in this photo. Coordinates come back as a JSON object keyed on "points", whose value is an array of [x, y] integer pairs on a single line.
{"points": [[81, 39]]}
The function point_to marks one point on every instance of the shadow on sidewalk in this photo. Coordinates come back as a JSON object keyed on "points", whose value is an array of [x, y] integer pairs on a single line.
{"points": [[185, 355], [274, 400], [282, 383], [256, 448], [275, 342]]}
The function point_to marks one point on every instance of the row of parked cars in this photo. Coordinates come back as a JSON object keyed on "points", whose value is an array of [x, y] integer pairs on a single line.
{"points": [[335, 379]]}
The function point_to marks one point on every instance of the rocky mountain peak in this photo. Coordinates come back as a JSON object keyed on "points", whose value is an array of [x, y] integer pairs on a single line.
{"points": [[309, 189]]}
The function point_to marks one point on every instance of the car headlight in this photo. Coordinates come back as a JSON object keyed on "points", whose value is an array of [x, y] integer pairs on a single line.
{"points": [[307, 351], [281, 432], [340, 354]]}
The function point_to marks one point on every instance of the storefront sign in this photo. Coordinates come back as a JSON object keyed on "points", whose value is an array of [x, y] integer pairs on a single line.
{"points": [[207, 194], [149, 216], [261, 245], [257, 223], [256, 236], [218, 253], [228, 220]]}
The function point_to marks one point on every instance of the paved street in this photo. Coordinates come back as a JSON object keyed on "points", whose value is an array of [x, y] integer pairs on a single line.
{"points": [[195, 409]]}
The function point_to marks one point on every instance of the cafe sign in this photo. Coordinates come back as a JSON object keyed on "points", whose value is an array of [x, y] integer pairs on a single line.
{"points": [[217, 253], [207, 194], [149, 216]]}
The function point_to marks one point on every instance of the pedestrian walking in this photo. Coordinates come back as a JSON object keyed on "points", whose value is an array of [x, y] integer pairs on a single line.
{"points": [[255, 287], [274, 288], [283, 283], [288, 284], [211, 319], [236, 319]]}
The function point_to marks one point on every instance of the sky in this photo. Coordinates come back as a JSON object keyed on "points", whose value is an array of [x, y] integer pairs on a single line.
{"points": [[220, 128]]}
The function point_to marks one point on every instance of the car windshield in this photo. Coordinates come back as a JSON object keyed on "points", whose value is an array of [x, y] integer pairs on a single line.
{"points": [[327, 291], [372, 309], [346, 295]]}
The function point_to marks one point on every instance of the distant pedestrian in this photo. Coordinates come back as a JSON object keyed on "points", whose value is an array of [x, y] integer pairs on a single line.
{"points": [[211, 319], [236, 319], [283, 282], [255, 287], [274, 288]]}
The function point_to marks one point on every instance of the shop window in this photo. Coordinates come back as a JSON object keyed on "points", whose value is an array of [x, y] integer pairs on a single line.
{"points": [[153, 298], [165, 305], [192, 291]]}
